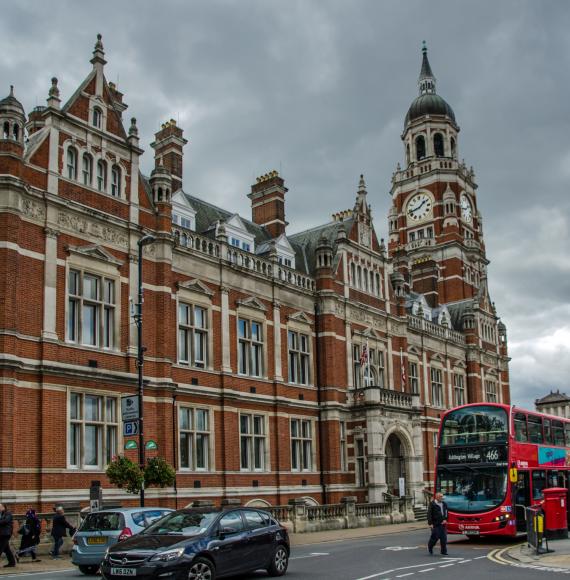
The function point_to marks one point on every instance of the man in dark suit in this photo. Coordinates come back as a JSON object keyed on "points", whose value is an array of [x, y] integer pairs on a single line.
{"points": [[437, 520], [6, 529]]}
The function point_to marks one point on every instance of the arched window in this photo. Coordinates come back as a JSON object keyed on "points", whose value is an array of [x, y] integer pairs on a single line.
{"points": [[116, 181], [87, 168], [16, 131], [359, 277], [353, 274], [97, 117], [372, 282], [72, 163], [6, 131], [407, 154], [420, 147], [452, 143], [365, 279], [101, 175], [438, 145], [378, 289]]}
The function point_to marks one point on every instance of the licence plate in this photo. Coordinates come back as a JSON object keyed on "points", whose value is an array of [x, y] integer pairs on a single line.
{"points": [[471, 532], [97, 540], [123, 571]]}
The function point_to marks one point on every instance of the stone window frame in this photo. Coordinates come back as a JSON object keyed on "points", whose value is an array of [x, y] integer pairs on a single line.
{"points": [[80, 260], [360, 480], [301, 439], [459, 373], [374, 344], [96, 102], [104, 424], [434, 368], [414, 360], [211, 432], [266, 467], [301, 325], [343, 445], [196, 294], [253, 311]]}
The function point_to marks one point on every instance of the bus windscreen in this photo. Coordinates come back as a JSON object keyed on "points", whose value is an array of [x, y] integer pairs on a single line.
{"points": [[472, 489], [480, 424]]}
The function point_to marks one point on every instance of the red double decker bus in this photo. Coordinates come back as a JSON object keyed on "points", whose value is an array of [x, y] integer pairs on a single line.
{"points": [[493, 461]]}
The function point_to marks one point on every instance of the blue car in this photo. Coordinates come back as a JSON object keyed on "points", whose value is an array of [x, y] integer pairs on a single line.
{"points": [[202, 544]]}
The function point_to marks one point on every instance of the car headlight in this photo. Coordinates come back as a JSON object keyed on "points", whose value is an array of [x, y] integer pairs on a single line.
{"points": [[168, 556]]}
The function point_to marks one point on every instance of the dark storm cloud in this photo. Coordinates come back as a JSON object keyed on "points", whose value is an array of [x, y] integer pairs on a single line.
{"points": [[319, 90]]}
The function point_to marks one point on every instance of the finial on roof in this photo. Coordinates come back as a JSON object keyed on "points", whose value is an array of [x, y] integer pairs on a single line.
{"points": [[99, 43], [54, 90], [133, 129], [98, 53], [362, 185], [426, 80], [11, 90]]}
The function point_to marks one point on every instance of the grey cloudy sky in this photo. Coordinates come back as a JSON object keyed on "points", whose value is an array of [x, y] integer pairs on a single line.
{"points": [[319, 91]]}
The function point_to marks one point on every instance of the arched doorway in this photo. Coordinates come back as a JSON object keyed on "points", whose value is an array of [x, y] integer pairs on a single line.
{"points": [[395, 463]]}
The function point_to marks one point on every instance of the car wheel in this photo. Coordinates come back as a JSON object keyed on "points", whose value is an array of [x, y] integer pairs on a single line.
{"points": [[279, 562], [201, 569], [89, 570]]}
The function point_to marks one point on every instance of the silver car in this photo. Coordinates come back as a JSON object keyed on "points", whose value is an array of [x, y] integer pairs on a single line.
{"points": [[104, 528]]}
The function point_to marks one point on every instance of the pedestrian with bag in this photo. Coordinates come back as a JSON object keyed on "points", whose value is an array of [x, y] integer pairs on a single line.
{"points": [[6, 530], [30, 531], [58, 530], [437, 520]]}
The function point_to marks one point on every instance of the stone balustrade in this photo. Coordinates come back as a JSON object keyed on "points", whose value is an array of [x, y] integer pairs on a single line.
{"points": [[437, 330], [300, 517], [374, 395]]}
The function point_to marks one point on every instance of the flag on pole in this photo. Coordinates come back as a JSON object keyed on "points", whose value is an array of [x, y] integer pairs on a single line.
{"points": [[403, 369], [364, 355]]}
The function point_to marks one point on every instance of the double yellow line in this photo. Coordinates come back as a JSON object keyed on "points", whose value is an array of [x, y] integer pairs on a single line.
{"points": [[497, 555]]}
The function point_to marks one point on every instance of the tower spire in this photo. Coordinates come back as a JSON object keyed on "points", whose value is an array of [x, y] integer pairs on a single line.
{"points": [[426, 80]]}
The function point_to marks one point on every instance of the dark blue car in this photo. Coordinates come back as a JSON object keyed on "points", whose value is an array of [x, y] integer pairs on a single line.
{"points": [[202, 544]]}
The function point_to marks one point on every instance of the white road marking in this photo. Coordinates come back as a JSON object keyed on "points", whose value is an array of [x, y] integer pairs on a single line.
{"points": [[426, 570], [404, 575], [464, 561], [399, 548], [448, 565], [378, 574], [311, 555]]}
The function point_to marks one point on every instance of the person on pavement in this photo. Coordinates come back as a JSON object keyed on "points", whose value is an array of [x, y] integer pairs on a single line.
{"points": [[58, 529], [437, 520], [6, 529], [30, 530]]}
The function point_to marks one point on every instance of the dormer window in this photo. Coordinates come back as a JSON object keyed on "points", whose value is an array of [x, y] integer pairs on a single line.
{"points": [[182, 221], [72, 163], [97, 117]]}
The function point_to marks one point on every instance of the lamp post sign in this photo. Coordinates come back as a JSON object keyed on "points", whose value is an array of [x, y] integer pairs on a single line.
{"points": [[130, 408]]}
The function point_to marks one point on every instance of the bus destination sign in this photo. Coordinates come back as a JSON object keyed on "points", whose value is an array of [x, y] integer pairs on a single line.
{"points": [[488, 454]]}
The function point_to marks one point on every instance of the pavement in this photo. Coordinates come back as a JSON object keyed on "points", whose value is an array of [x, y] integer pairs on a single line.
{"points": [[522, 555]]}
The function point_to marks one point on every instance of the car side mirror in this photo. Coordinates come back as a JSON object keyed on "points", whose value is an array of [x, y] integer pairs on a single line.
{"points": [[226, 531]]}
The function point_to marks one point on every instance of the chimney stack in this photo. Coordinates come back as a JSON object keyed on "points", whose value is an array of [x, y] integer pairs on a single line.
{"points": [[169, 149], [268, 203]]}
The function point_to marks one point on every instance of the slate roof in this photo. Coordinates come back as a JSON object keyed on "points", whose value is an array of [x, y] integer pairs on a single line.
{"points": [[456, 311], [557, 397], [305, 243]]}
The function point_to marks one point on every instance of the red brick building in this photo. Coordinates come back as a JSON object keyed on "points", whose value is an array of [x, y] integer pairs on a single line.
{"points": [[256, 383]]}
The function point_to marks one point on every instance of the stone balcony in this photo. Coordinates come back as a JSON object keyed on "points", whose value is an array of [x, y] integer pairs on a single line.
{"points": [[437, 330], [378, 396]]}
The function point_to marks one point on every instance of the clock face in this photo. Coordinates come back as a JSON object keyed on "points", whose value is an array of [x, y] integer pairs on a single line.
{"points": [[466, 210], [419, 206]]}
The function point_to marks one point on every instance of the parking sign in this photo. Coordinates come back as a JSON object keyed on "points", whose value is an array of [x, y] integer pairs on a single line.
{"points": [[130, 407], [130, 428]]}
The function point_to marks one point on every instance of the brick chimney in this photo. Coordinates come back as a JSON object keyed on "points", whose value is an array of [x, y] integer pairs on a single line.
{"points": [[169, 148], [268, 203]]}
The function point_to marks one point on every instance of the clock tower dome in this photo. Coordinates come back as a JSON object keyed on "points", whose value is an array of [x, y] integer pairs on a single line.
{"points": [[436, 238]]}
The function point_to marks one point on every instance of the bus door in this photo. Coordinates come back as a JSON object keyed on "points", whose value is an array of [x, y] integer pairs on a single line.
{"points": [[522, 499]]}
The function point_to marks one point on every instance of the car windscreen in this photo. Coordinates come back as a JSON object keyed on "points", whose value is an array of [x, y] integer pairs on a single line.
{"points": [[186, 523], [103, 522], [147, 517]]}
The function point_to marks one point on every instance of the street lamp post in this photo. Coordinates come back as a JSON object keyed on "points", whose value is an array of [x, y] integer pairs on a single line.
{"points": [[144, 241]]}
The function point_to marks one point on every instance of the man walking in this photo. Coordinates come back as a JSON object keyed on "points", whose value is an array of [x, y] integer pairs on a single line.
{"points": [[6, 529], [437, 519], [58, 529]]}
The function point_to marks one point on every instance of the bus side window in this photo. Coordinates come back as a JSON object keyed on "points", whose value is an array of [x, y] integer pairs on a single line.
{"points": [[558, 433], [567, 432], [538, 484], [521, 432], [547, 431], [535, 429]]}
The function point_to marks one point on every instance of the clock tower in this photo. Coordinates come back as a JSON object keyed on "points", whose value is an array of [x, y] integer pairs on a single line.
{"points": [[436, 238]]}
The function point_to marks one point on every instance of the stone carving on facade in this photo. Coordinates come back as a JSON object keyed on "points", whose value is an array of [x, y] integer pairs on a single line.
{"points": [[83, 226], [32, 209]]}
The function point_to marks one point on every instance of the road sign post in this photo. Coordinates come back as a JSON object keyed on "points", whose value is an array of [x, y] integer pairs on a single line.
{"points": [[130, 408], [130, 428]]}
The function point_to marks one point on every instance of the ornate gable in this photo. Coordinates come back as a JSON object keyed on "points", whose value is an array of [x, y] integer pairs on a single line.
{"points": [[300, 317], [95, 252], [195, 285], [252, 302]]}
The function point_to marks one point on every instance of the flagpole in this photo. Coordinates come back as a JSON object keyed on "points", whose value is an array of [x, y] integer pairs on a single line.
{"points": [[368, 361], [402, 369]]}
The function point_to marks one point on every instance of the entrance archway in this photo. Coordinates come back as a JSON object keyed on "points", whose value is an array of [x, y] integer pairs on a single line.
{"points": [[395, 464]]}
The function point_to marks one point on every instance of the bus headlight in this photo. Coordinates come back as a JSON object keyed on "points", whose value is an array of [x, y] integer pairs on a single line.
{"points": [[502, 517]]}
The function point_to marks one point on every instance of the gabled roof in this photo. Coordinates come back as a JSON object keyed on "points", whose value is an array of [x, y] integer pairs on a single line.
{"points": [[557, 397]]}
